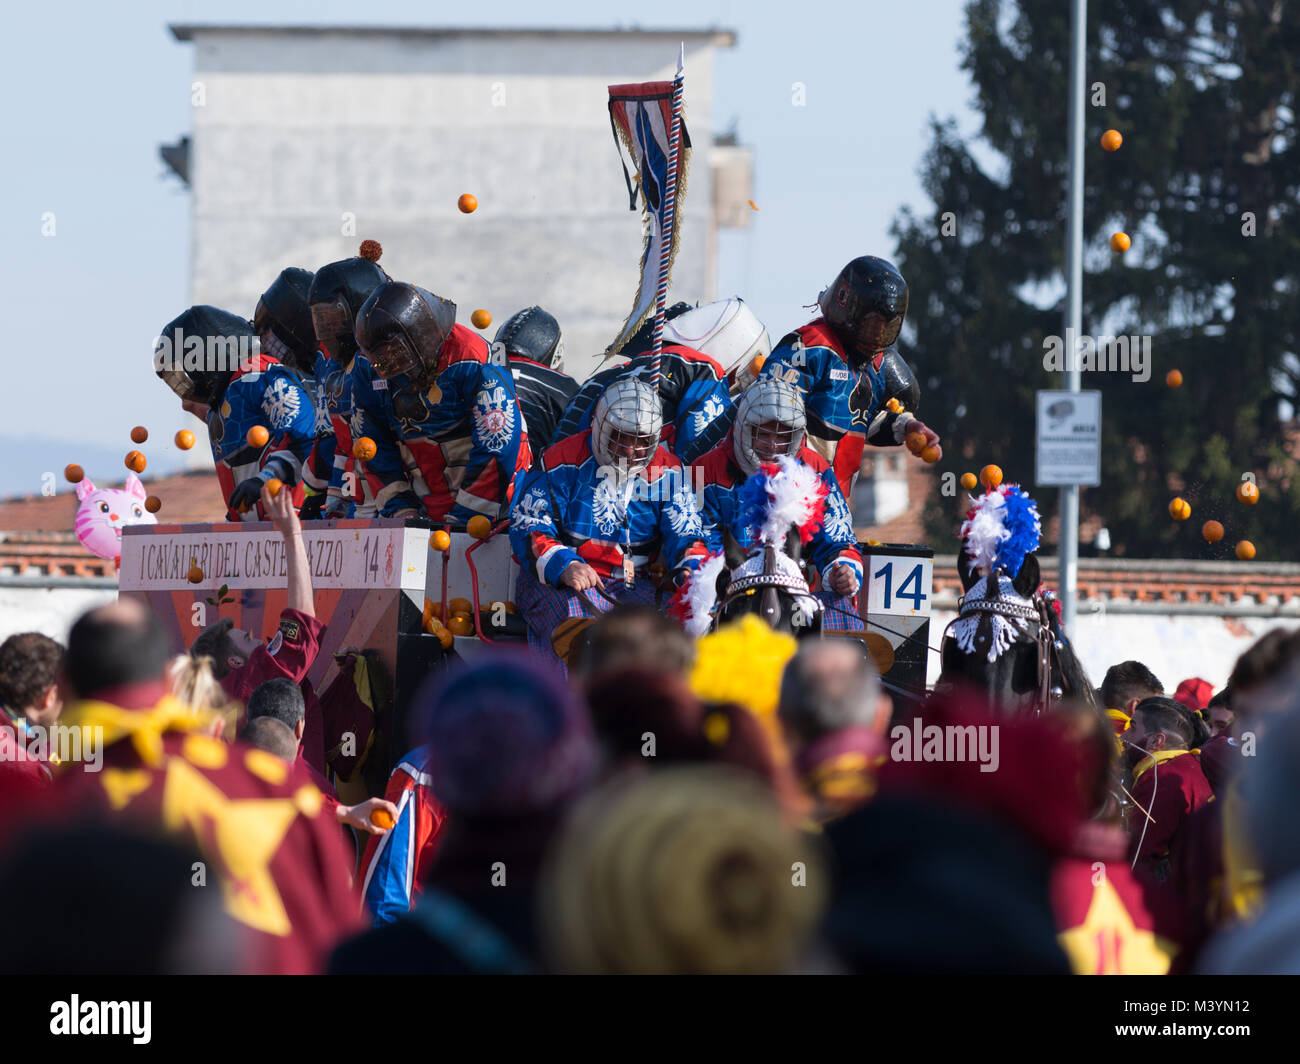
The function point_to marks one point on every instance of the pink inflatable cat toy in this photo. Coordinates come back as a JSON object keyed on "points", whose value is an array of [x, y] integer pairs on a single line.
{"points": [[104, 513]]}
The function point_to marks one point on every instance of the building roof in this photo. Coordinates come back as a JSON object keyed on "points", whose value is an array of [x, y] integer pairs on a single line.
{"points": [[186, 498], [722, 38]]}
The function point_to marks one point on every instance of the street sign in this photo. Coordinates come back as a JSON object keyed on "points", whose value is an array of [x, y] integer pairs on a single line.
{"points": [[1069, 439]]}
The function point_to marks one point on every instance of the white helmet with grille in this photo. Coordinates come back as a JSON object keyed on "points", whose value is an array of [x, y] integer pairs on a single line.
{"points": [[777, 405], [626, 424]]}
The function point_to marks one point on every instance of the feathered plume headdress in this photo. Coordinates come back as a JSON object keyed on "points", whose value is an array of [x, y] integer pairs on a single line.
{"points": [[782, 493], [693, 604], [1001, 530]]}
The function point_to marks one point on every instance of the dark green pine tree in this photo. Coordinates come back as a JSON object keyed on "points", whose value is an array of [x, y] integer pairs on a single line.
{"points": [[1206, 183]]}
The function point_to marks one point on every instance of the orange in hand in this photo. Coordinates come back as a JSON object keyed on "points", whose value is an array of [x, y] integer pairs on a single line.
{"points": [[273, 486], [931, 454], [915, 442], [258, 436], [381, 818]]}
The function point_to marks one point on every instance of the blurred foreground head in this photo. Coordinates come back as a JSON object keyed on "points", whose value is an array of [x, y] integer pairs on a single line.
{"points": [[633, 637], [684, 871], [507, 736], [148, 914], [118, 653], [1266, 679]]}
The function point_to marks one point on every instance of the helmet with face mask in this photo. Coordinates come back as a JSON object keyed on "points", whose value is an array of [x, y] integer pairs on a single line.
{"points": [[533, 333], [777, 408], [865, 307], [283, 320], [199, 371], [626, 424], [337, 293], [401, 329]]}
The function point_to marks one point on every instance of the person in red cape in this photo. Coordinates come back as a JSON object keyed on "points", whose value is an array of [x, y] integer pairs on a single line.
{"points": [[268, 845]]}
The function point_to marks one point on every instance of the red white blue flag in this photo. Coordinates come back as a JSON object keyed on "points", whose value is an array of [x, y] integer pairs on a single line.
{"points": [[642, 119]]}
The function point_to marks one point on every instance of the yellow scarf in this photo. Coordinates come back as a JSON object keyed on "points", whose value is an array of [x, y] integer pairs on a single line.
{"points": [[1151, 760], [105, 724]]}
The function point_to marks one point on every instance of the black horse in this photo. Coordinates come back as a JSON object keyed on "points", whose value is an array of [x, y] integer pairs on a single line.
{"points": [[1007, 643], [769, 583]]}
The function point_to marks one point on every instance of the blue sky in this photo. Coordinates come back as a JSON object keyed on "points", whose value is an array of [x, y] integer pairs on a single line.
{"points": [[92, 89]]}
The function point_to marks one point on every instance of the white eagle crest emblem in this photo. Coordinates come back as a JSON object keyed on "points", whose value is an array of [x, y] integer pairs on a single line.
{"points": [[280, 404], [838, 523], [683, 514], [532, 511], [704, 416], [606, 507], [494, 417]]}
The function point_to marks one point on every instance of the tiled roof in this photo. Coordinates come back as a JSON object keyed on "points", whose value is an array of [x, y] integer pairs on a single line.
{"points": [[908, 526]]}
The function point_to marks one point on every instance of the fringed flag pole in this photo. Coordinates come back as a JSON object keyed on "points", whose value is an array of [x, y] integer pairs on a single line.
{"points": [[670, 216]]}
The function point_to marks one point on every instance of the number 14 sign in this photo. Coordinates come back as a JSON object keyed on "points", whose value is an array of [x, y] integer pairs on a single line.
{"points": [[898, 584]]}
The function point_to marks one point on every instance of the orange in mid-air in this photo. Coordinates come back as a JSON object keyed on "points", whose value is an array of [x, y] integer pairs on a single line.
{"points": [[991, 476], [1245, 550], [153, 504], [1248, 493], [439, 540], [364, 449], [1120, 242], [1174, 378], [1212, 531], [185, 439], [195, 575], [139, 434], [1112, 139], [273, 486], [74, 473], [481, 319], [467, 203], [258, 436], [1180, 509], [479, 527], [135, 461], [968, 481], [382, 818]]}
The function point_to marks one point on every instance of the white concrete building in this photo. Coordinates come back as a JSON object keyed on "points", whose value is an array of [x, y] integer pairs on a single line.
{"points": [[307, 140]]}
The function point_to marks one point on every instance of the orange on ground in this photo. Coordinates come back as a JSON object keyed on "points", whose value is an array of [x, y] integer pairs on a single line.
{"points": [[1245, 550], [1248, 493], [135, 461], [139, 434], [461, 624], [258, 436], [1120, 242], [991, 476], [1180, 509], [481, 319], [184, 439], [74, 473], [153, 504], [381, 818], [1112, 139], [1174, 378], [479, 527], [364, 449], [931, 454], [968, 481], [467, 203], [439, 540], [1212, 531]]}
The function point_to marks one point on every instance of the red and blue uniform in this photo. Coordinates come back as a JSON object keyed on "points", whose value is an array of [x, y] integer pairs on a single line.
{"points": [[395, 863], [571, 509], [832, 544], [270, 395], [460, 440], [845, 408], [337, 407], [692, 388]]}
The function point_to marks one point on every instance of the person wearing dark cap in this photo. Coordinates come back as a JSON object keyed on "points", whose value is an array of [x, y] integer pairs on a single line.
{"points": [[509, 745]]}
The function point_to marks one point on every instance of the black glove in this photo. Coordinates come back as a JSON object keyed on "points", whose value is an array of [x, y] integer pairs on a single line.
{"points": [[246, 495], [311, 507]]}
